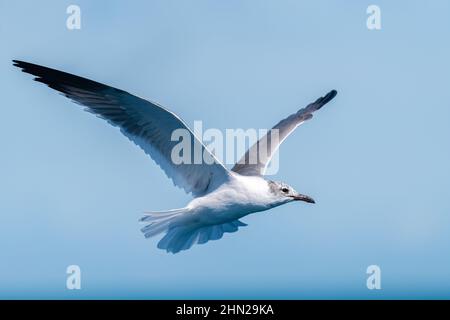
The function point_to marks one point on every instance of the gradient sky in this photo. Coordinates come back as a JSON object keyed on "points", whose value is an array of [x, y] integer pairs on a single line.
{"points": [[376, 159]]}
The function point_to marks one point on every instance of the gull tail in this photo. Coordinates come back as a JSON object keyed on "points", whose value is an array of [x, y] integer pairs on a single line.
{"points": [[161, 221], [181, 231]]}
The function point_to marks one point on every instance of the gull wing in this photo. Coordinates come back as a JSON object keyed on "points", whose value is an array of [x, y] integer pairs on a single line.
{"points": [[257, 157], [147, 124]]}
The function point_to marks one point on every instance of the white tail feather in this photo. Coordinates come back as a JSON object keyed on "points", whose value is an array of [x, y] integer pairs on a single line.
{"points": [[160, 221], [180, 234]]}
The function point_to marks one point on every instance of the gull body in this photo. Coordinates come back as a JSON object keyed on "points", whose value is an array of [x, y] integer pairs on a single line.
{"points": [[221, 196], [238, 197]]}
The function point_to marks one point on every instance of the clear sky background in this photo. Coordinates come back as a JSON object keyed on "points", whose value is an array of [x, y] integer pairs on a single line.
{"points": [[376, 159]]}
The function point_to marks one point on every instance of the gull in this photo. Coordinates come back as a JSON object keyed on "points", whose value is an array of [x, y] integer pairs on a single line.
{"points": [[221, 196]]}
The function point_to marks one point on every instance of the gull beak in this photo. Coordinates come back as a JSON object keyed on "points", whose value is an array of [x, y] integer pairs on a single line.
{"points": [[302, 197]]}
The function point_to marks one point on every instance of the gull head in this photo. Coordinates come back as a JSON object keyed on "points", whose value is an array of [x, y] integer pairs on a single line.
{"points": [[284, 193]]}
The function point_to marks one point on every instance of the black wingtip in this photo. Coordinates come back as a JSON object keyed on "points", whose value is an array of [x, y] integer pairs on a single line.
{"points": [[16, 63], [56, 79], [20, 64], [24, 66], [325, 99], [329, 96]]}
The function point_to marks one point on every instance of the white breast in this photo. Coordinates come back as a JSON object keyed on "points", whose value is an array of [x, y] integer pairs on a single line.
{"points": [[235, 199]]}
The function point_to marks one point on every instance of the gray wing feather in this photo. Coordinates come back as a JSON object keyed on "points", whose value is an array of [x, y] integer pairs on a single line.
{"points": [[257, 157], [147, 124]]}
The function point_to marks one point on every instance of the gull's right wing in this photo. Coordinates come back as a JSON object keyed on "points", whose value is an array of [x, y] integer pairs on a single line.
{"points": [[147, 124], [257, 157]]}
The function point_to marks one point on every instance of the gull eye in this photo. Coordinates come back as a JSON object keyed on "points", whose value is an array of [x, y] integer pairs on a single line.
{"points": [[285, 190]]}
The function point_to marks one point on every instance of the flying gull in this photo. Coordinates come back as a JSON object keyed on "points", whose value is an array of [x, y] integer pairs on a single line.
{"points": [[221, 196]]}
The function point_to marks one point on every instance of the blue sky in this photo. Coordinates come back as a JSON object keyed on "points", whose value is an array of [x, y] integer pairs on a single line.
{"points": [[376, 159]]}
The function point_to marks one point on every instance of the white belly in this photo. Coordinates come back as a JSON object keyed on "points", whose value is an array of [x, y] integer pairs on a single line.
{"points": [[232, 201]]}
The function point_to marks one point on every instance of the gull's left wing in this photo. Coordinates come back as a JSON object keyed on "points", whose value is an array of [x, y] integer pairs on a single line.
{"points": [[257, 157], [147, 124]]}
